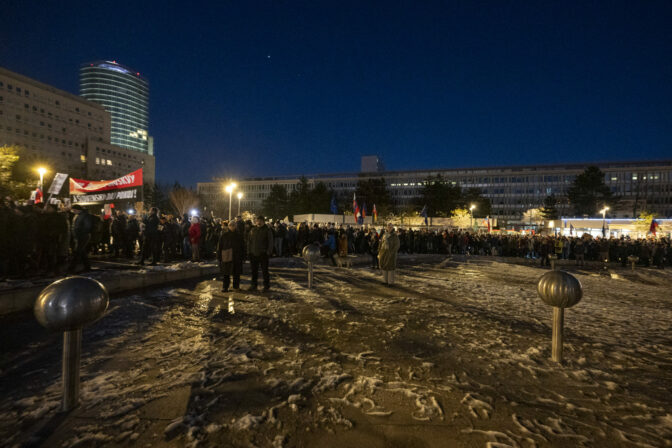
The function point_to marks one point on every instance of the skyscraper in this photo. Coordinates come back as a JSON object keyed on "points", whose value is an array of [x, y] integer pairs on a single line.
{"points": [[125, 95]]}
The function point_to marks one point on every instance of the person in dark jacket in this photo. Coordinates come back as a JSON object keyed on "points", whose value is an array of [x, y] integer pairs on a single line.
{"points": [[259, 248], [118, 231], [230, 254], [132, 234], [152, 237], [81, 231]]}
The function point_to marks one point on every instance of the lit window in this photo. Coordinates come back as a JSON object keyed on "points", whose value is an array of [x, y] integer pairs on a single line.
{"points": [[97, 160], [109, 162]]}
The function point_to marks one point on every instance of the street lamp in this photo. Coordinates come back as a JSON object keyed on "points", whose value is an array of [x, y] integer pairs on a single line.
{"points": [[42, 170], [240, 196], [229, 189], [604, 214], [471, 214]]}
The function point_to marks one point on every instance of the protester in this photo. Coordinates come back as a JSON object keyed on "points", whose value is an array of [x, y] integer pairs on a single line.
{"points": [[259, 248], [81, 231], [195, 238], [152, 237], [387, 254], [230, 254]]}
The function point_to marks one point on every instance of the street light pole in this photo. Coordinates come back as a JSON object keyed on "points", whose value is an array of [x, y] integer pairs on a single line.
{"points": [[604, 214], [42, 171], [229, 189], [471, 215], [240, 196]]}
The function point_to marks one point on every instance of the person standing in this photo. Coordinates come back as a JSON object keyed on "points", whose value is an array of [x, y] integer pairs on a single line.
{"points": [[152, 237], [230, 254], [81, 231], [387, 254], [195, 238], [259, 248]]}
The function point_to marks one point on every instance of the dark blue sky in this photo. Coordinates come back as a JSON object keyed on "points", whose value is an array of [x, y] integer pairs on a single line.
{"points": [[251, 88]]}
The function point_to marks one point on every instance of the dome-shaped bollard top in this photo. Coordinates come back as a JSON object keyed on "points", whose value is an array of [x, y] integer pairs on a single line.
{"points": [[70, 303], [67, 305], [633, 259], [311, 253], [559, 290]]}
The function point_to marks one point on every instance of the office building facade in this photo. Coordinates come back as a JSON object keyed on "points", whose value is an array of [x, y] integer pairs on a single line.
{"points": [[512, 190], [125, 95], [63, 132]]}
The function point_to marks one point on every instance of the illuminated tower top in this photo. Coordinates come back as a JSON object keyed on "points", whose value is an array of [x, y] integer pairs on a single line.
{"points": [[125, 95]]}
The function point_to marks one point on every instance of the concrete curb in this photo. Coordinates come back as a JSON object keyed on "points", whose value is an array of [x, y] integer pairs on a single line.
{"points": [[13, 301]]}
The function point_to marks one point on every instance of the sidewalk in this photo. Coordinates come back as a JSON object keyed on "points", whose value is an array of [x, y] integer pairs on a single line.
{"points": [[116, 276]]}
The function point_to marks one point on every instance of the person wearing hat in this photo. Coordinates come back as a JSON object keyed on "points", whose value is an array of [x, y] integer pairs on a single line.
{"points": [[260, 247], [82, 225]]}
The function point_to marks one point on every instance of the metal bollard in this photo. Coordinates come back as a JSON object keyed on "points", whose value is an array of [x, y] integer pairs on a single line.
{"points": [[559, 290], [311, 253], [67, 305], [553, 259], [633, 259]]}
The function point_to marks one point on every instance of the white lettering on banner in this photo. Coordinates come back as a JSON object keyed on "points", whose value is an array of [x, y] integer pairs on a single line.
{"points": [[105, 197], [126, 180]]}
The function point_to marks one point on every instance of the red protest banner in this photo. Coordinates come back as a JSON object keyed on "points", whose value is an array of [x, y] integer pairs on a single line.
{"points": [[81, 186]]}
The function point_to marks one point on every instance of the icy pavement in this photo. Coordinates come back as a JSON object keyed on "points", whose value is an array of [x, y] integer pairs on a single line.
{"points": [[455, 355]]}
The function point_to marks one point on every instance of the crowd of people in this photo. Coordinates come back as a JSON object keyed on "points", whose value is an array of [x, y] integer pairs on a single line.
{"points": [[43, 240]]}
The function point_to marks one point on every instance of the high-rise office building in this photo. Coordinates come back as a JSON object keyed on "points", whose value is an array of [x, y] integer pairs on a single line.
{"points": [[63, 132], [125, 95]]}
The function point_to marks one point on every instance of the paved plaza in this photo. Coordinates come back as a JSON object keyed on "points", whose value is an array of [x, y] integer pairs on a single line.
{"points": [[457, 354]]}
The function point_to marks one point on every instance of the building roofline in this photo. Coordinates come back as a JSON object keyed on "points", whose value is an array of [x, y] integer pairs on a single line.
{"points": [[130, 70], [570, 166], [50, 88]]}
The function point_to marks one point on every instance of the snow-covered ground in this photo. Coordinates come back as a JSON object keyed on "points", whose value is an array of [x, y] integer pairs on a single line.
{"points": [[457, 354]]}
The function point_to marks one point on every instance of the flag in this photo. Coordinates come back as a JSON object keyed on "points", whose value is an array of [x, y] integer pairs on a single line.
{"points": [[423, 213], [362, 215], [354, 203], [488, 218], [654, 226], [571, 229], [375, 213], [357, 213], [334, 207]]}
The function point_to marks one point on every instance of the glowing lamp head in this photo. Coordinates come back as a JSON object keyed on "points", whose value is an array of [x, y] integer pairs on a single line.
{"points": [[228, 189], [41, 170], [193, 212], [240, 195], [473, 206]]}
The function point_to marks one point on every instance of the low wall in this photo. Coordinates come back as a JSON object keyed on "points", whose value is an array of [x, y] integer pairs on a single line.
{"points": [[15, 300]]}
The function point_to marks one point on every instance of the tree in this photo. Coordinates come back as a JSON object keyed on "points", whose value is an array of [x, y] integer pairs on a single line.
{"points": [[183, 199], [589, 193], [276, 204], [320, 198], [474, 196], [9, 164], [300, 198], [533, 216], [643, 223], [439, 195], [374, 191], [549, 211], [461, 218]]}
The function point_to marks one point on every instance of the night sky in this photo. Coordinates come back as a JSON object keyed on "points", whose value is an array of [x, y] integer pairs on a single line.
{"points": [[252, 88]]}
